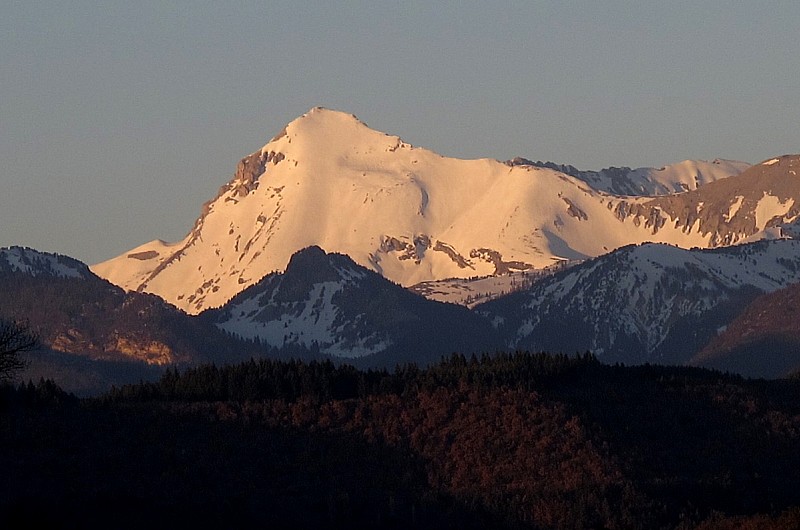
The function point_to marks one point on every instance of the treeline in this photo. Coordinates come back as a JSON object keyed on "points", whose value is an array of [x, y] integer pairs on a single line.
{"points": [[496, 441], [290, 380], [42, 394]]}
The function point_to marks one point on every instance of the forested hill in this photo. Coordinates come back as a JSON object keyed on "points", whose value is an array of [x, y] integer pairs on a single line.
{"points": [[506, 441]]}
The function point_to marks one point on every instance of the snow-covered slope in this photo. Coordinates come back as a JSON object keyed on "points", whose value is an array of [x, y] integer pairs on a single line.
{"points": [[405, 212], [329, 305], [470, 292], [651, 302], [646, 181]]}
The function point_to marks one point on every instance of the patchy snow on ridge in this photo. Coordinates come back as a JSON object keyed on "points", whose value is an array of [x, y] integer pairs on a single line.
{"points": [[470, 292], [314, 326], [35, 263], [326, 304]]}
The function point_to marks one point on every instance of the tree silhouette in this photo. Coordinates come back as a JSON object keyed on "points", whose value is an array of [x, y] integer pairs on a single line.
{"points": [[15, 338]]}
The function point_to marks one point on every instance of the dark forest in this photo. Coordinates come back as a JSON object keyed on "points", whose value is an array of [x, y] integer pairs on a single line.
{"points": [[504, 441]]}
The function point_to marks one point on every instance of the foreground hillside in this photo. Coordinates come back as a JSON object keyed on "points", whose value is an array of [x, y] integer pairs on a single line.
{"points": [[93, 334], [522, 441]]}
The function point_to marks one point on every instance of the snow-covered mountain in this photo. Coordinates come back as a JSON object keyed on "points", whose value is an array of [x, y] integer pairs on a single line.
{"points": [[407, 213], [648, 181], [651, 302], [329, 305]]}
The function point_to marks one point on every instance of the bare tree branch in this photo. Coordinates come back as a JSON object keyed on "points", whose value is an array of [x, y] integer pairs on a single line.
{"points": [[15, 338]]}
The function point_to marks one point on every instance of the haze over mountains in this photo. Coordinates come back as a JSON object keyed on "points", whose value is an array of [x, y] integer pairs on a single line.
{"points": [[307, 250]]}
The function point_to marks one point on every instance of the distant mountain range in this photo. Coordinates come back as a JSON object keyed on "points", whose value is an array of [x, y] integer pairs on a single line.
{"points": [[337, 241], [647, 181], [409, 214], [322, 306], [649, 303]]}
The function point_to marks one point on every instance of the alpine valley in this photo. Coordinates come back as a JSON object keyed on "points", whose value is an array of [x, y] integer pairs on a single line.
{"points": [[335, 241]]}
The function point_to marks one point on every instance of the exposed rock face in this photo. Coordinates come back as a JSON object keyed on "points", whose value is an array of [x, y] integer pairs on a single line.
{"points": [[148, 351], [761, 200], [150, 254], [495, 258]]}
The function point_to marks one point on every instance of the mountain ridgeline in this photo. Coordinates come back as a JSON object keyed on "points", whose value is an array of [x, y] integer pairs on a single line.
{"points": [[647, 181], [414, 216], [651, 303], [310, 249]]}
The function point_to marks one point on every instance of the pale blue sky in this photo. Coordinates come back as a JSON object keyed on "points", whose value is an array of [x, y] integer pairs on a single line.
{"points": [[119, 119]]}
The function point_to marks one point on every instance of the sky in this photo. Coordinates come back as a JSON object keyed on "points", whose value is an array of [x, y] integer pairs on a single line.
{"points": [[118, 120]]}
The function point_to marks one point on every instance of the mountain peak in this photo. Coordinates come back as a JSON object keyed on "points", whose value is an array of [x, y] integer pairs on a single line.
{"points": [[317, 112], [327, 304], [320, 118], [314, 265], [406, 213]]}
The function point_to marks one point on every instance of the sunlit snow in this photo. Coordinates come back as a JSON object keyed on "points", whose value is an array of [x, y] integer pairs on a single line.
{"points": [[406, 212]]}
